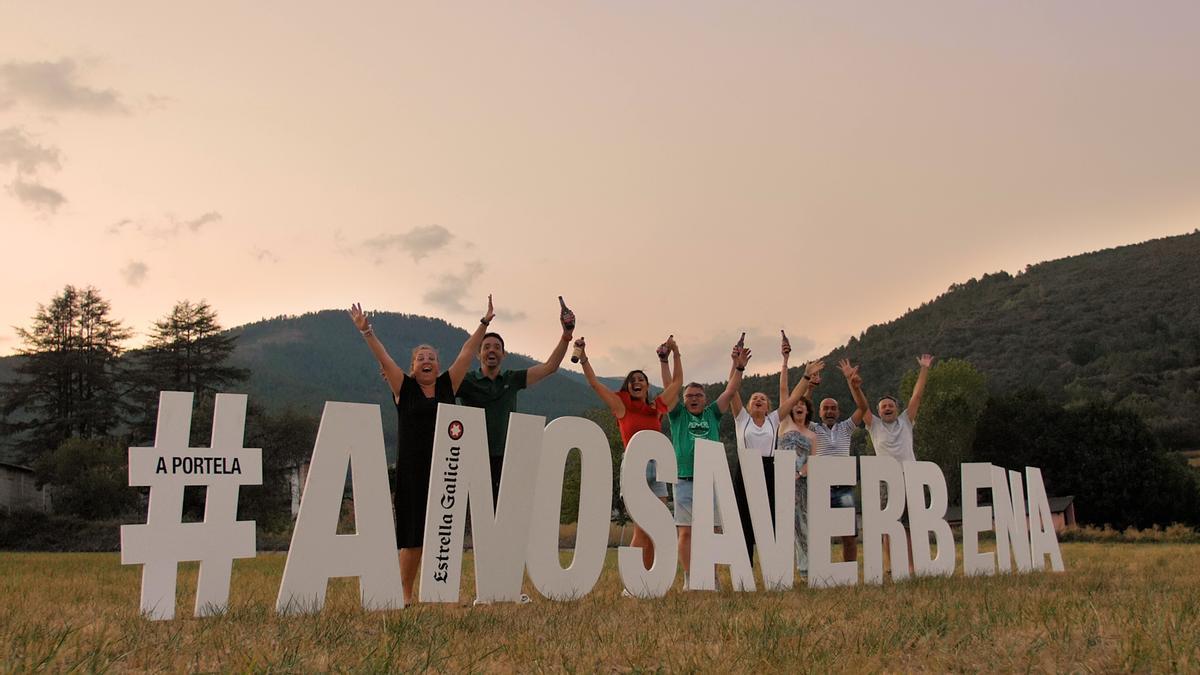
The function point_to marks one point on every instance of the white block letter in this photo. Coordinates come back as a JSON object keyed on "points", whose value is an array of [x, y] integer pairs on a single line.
{"points": [[924, 520], [595, 510], [1011, 526], [877, 471], [976, 519], [1042, 538], [350, 433], [776, 545], [650, 514], [826, 522], [710, 549]]}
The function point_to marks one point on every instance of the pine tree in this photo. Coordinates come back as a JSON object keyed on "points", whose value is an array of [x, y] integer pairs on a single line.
{"points": [[187, 351], [69, 377]]}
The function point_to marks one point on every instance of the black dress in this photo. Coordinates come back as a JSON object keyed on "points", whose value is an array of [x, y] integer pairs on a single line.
{"points": [[417, 417]]}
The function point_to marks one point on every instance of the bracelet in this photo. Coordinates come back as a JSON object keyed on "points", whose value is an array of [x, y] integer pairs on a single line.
{"points": [[368, 332], [741, 368], [484, 321], [805, 377]]}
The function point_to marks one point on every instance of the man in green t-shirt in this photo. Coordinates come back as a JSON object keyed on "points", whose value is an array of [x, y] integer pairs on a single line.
{"points": [[697, 418], [495, 390]]}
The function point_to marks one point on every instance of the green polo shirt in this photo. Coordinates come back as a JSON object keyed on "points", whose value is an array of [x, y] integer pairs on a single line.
{"points": [[686, 428], [497, 397]]}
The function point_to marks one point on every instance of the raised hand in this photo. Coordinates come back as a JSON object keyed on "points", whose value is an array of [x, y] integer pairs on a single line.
{"points": [[856, 379], [491, 313], [741, 357], [785, 345], [847, 370], [925, 360], [813, 368], [358, 317], [581, 346]]}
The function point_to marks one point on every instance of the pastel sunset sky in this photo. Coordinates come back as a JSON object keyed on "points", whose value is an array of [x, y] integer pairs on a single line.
{"points": [[696, 168]]}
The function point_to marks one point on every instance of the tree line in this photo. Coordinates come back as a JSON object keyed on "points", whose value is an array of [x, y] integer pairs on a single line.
{"points": [[78, 400]]}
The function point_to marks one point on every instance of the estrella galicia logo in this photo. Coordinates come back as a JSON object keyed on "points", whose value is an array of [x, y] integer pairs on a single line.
{"points": [[455, 430]]}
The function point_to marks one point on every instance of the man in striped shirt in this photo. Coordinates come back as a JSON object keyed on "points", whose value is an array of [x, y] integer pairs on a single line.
{"points": [[834, 437]]}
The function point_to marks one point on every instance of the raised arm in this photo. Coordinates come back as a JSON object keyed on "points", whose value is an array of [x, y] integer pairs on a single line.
{"points": [[862, 409], [610, 399], [542, 370], [664, 352], [393, 373], [914, 403], [740, 358], [801, 388], [458, 369], [670, 394]]}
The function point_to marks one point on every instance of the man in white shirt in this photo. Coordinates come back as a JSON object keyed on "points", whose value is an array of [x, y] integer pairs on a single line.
{"points": [[891, 431]]}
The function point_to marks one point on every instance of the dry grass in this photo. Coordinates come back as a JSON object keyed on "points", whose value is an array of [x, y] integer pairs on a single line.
{"points": [[1118, 607]]}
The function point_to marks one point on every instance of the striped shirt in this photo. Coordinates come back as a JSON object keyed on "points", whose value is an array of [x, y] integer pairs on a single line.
{"points": [[834, 441]]}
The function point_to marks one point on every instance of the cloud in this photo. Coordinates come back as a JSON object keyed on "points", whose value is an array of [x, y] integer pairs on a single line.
{"points": [[157, 230], [32, 193], [450, 289], [196, 223], [54, 85], [418, 242], [263, 255], [19, 150], [505, 315], [134, 273]]}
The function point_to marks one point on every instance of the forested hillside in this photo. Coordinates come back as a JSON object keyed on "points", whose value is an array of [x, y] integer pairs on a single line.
{"points": [[1119, 326], [303, 361]]}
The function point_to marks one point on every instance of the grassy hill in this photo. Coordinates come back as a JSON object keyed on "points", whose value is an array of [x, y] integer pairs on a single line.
{"points": [[1120, 325]]}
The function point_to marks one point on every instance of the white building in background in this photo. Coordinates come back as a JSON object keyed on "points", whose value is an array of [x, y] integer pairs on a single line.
{"points": [[297, 476], [19, 490]]}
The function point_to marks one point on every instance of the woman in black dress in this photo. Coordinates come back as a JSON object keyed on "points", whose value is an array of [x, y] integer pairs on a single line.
{"points": [[417, 394]]}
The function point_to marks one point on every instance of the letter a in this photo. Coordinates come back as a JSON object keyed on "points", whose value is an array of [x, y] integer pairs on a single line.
{"points": [[350, 433]]}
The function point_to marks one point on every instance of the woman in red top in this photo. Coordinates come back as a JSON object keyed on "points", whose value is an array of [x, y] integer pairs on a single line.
{"points": [[635, 412]]}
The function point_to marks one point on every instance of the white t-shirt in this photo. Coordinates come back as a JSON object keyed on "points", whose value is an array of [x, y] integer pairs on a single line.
{"points": [[750, 435], [893, 440]]}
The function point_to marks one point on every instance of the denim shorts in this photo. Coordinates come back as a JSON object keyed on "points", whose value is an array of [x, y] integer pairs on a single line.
{"points": [[657, 487], [683, 503]]}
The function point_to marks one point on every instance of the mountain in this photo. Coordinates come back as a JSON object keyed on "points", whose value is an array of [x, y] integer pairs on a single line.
{"points": [[303, 361], [1121, 325]]}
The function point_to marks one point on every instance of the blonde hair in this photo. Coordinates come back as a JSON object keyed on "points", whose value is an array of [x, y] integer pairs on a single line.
{"points": [[413, 360]]}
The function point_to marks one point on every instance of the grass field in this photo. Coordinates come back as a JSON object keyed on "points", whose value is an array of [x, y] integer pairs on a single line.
{"points": [[1117, 607]]}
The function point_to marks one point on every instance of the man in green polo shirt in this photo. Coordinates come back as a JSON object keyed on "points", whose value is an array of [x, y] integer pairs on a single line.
{"points": [[495, 390], [697, 418]]}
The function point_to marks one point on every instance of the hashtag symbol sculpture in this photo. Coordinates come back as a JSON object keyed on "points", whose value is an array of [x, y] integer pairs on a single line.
{"points": [[165, 540]]}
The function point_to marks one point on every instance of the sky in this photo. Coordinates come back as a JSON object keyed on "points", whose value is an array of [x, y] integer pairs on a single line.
{"points": [[688, 168]]}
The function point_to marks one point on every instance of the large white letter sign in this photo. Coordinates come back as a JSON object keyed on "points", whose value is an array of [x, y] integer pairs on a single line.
{"points": [[164, 541], [595, 510], [1011, 529], [1042, 538], [877, 521], [650, 514], [461, 478], [925, 520], [826, 522], [976, 519], [350, 434], [710, 549], [776, 545]]}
